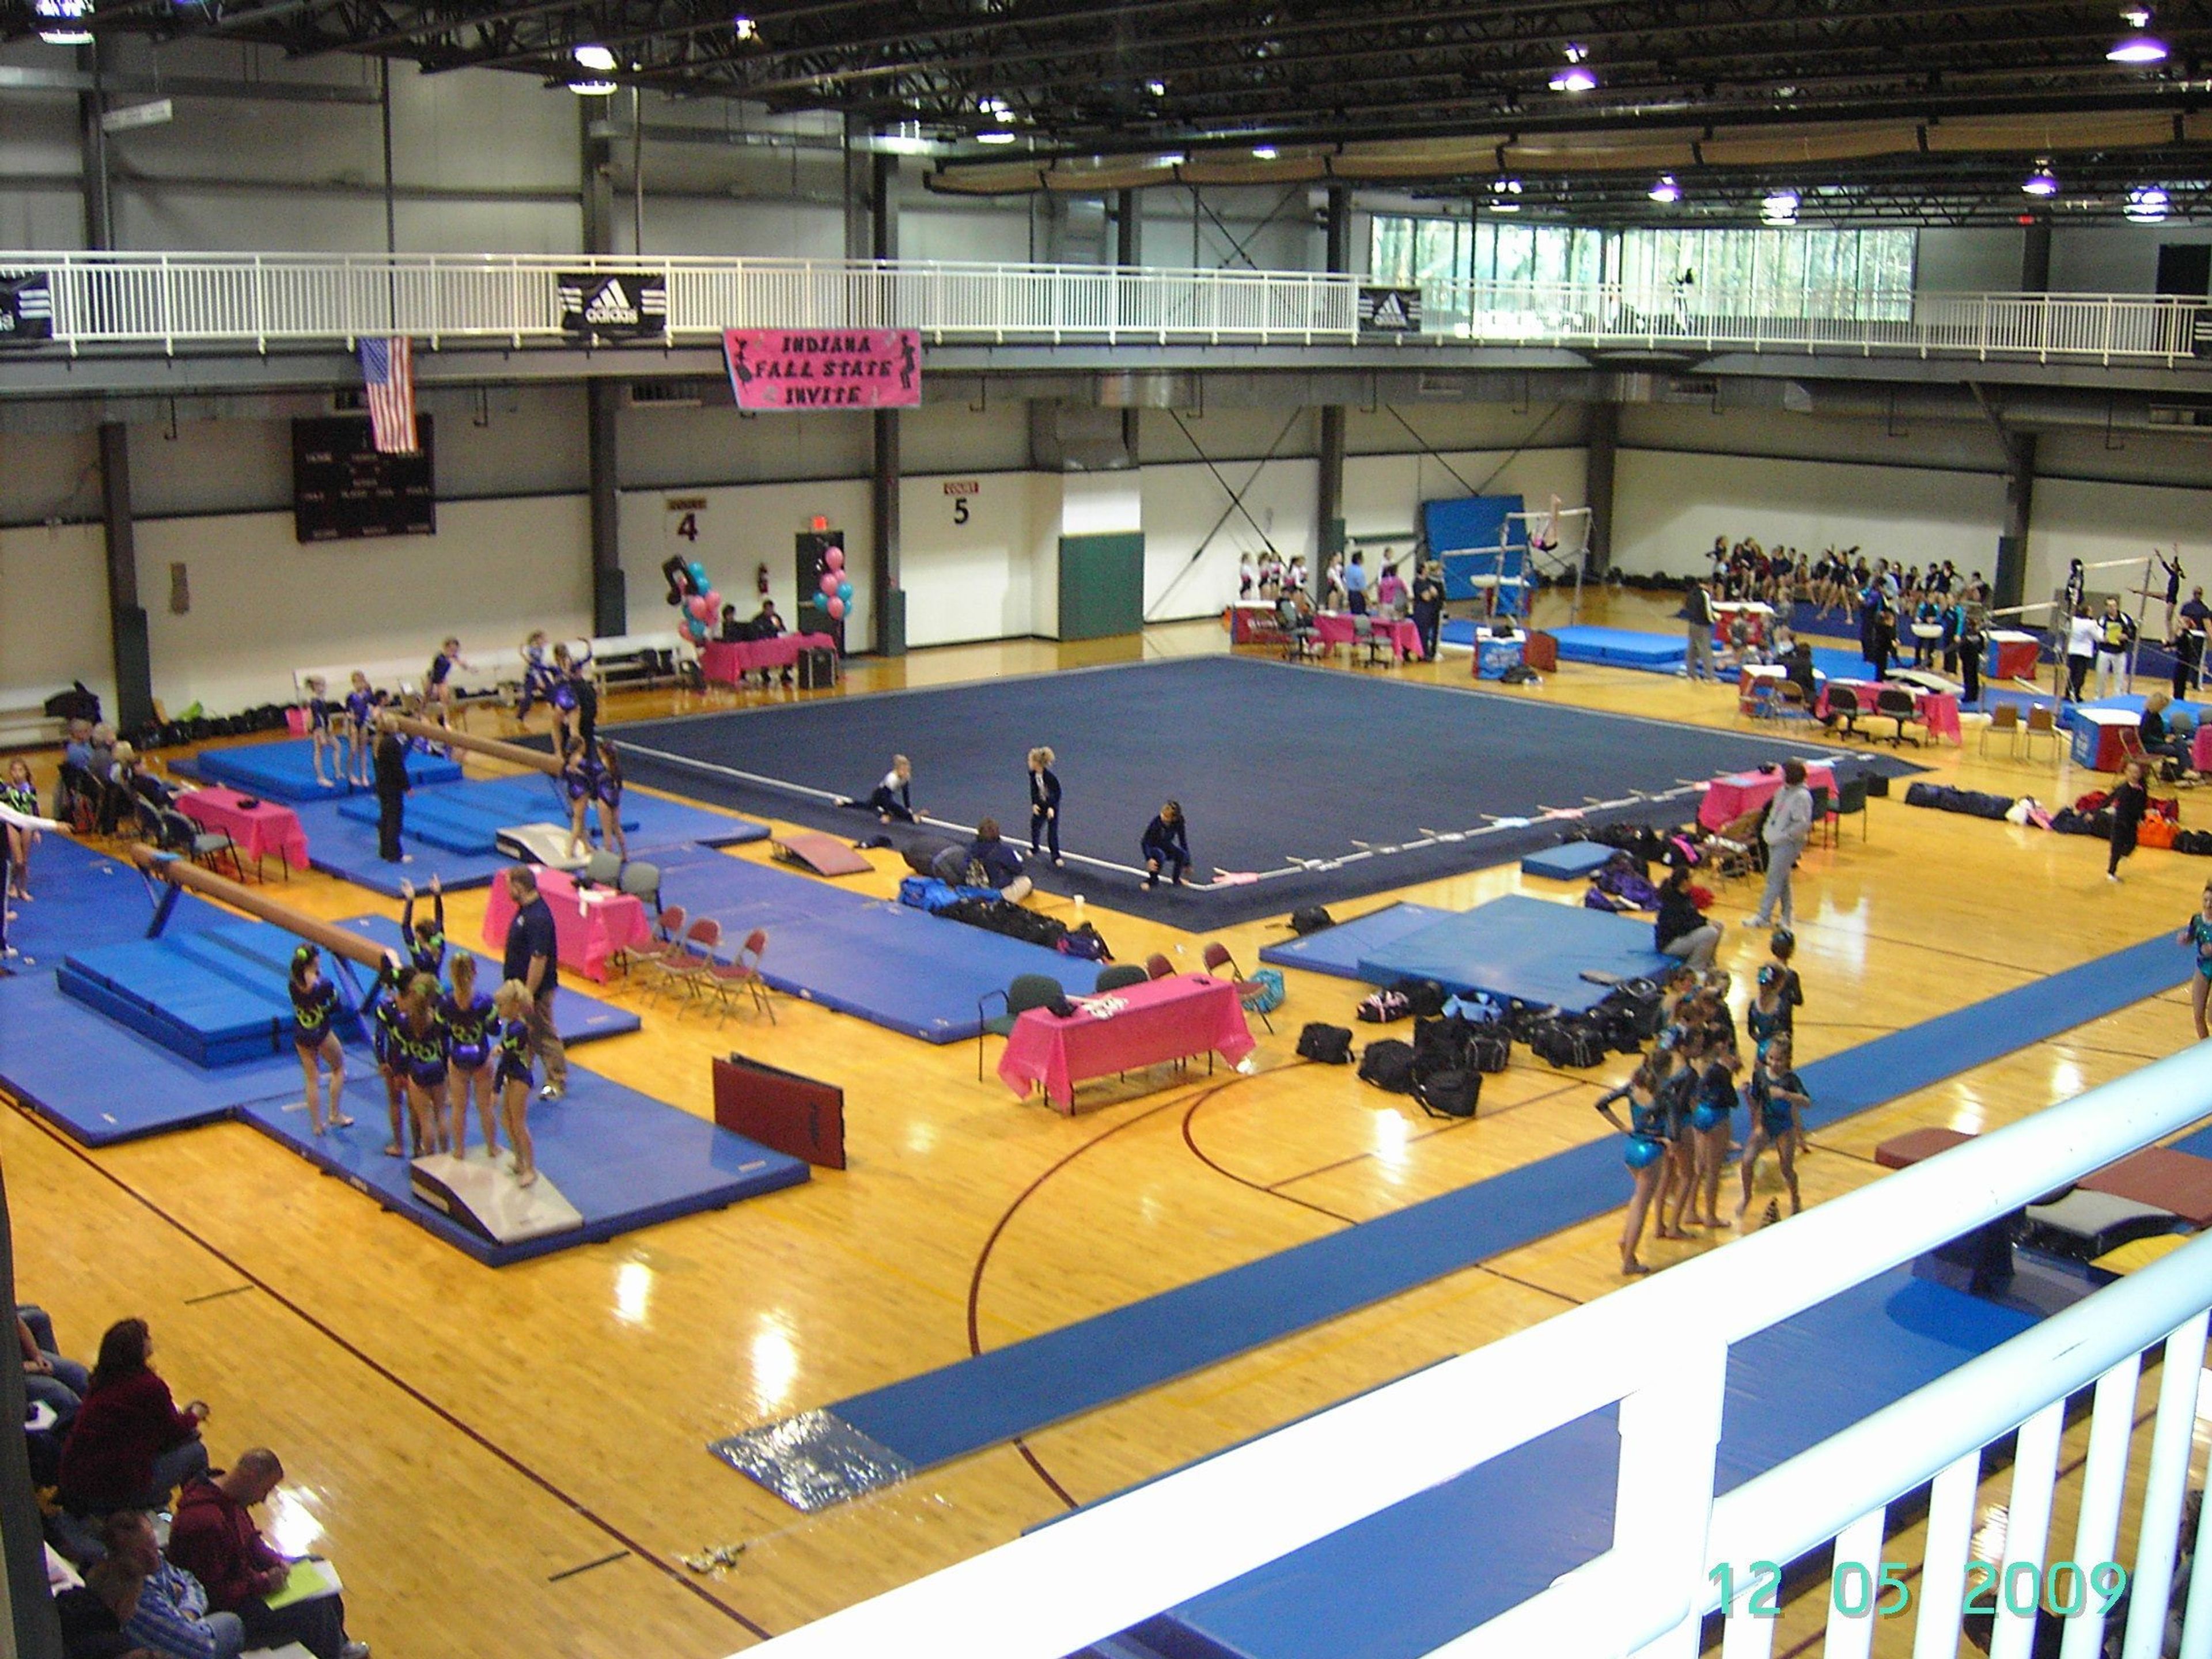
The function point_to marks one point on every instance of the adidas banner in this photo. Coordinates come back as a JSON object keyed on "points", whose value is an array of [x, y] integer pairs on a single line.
{"points": [[27, 307], [1389, 311], [614, 307]]}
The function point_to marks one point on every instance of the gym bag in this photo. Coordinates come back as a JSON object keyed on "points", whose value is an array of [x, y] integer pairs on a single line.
{"points": [[1451, 1092], [1380, 1007], [1388, 1065], [1266, 992], [1425, 998], [1329, 1044], [1310, 919]]}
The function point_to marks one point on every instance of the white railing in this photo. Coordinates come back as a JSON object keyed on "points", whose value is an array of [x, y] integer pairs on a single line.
{"points": [[165, 301], [1659, 1349]]}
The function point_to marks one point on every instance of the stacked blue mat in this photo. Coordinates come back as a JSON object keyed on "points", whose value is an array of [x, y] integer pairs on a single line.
{"points": [[1620, 647], [285, 770], [887, 963], [215, 996]]}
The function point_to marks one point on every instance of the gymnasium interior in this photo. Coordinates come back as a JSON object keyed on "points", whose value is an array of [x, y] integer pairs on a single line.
{"points": [[887, 827]]}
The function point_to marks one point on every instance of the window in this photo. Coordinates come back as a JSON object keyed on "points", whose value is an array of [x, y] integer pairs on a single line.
{"points": [[1747, 272]]}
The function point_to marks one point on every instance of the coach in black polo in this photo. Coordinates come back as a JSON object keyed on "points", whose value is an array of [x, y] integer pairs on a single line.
{"points": [[533, 952]]}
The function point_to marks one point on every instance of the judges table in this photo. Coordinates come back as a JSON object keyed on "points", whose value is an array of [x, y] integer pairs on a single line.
{"points": [[1335, 628], [1728, 799], [590, 923], [263, 830], [727, 661], [1171, 1018], [1936, 710]]}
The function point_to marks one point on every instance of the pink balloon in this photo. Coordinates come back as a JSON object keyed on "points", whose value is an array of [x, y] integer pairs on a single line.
{"points": [[700, 608], [837, 609], [714, 601], [835, 558], [829, 584]]}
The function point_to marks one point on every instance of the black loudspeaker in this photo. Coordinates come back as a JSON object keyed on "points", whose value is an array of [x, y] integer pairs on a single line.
{"points": [[813, 547]]}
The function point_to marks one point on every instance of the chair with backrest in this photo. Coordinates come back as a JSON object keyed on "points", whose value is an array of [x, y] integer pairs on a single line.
{"points": [[1850, 798], [179, 833], [603, 868], [1119, 975], [685, 967], [2004, 722], [641, 880], [1894, 702], [1375, 638], [1027, 992], [1216, 959], [1844, 705], [668, 930], [1158, 966], [1300, 638], [2042, 722], [1790, 702], [727, 978]]}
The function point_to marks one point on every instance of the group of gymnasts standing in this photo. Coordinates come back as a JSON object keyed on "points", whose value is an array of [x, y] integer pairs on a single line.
{"points": [[438, 1039], [1165, 843], [1682, 1100]]}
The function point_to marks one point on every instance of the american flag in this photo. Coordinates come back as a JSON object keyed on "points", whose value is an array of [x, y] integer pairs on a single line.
{"points": [[388, 366]]}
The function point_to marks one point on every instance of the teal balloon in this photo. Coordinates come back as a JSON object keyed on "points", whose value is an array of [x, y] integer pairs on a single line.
{"points": [[845, 592]]}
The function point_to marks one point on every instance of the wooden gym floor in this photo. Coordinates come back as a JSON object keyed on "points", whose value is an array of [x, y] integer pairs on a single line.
{"points": [[513, 1463]]}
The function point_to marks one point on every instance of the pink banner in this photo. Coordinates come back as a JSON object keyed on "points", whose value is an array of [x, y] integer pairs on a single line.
{"points": [[825, 369]]}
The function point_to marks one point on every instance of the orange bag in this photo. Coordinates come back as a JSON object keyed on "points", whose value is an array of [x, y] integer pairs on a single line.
{"points": [[2154, 831]]}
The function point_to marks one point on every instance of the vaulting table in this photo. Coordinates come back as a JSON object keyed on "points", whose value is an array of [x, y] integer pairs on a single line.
{"points": [[1171, 1019]]}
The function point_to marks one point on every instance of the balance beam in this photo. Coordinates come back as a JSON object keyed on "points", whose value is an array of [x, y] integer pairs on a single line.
{"points": [[181, 873], [490, 748]]}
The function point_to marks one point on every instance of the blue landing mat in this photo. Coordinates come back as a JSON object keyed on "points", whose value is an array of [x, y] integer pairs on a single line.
{"points": [[2131, 703], [889, 965], [103, 1083], [284, 770], [342, 846], [1620, 647], [974, 1403], [214, 995], [578, 1015], [1407, 1581], [624, 1159], [1518, 949], [1569, 861], [1338, 950], [1408, 782], [86, 899]]}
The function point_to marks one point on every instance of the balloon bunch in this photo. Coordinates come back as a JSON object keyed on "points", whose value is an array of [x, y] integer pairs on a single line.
{"points": [[694, 595], [836, 587]]}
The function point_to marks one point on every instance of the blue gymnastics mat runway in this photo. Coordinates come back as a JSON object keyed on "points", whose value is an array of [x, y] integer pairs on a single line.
{"points": [[342, 840], [1405, 1582], [577, 1015], [622, 1158], [1516, 948], [284, 769], [891, 965], [1323, 785], [973, 1403]]}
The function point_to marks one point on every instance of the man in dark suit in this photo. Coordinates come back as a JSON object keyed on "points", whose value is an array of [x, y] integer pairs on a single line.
{"points": [[391, 794]]}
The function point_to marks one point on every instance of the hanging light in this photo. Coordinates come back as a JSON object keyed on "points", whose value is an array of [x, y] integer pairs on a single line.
{"points": [[2146, 205], [2140, 46], [1263, 152], [595, 58], [1578, 75], [997, 135], [744, 28], [1157, 89], [2041, 182], [1505, 196], [62, 22], [1666, 190], [1780, 208]]}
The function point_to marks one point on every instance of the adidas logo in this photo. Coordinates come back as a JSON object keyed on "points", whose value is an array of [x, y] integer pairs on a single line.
{"points": [[1390, 311]]}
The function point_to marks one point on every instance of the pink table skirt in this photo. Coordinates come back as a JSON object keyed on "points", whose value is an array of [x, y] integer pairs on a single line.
{"points": [[264, 830], [2200, 749], [1937, 710], [1729, 798], [724, 661], [1335, 628], [1121, 1030], [589, 932]]}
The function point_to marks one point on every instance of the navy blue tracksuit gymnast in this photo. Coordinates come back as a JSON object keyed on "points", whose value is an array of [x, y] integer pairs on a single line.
{"points": [[1166, 846]]}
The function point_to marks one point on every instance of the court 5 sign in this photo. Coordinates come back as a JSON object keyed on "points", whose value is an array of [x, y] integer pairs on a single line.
{"points": [[825, 369]]}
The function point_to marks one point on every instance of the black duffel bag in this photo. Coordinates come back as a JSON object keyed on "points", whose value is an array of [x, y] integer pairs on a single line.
{"points": [[1387, 1063], [1329, 1044], [1451, 1092]]}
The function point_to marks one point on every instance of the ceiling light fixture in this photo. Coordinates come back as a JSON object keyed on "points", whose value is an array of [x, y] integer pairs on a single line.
{"points": [[597, 59], [1505, 196], [593, 88], [1157, 89], [1578, 76], [997, 135], [1780, 208], [1174, 158], [62, 22], [2142, 47], [2041, 182], [1263, 152], [2146, 205], [744, 28], [1666, 190]]}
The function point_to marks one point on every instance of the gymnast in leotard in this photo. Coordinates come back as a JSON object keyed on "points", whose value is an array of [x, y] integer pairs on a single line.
{"points": [[1711, 1121], [314, 999], [580, 781], [381, 1009], [420, 1039], [515, 1079], [2199, 933], [426, 940], [437, 689], [360, 706], [1775, 1096], [469, 1020], [320, 732], [19, 794], [606, 800], [575, 700], [538, 676], [1646, 1154]]}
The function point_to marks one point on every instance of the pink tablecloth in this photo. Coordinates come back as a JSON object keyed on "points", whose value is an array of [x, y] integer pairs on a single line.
{"points": [[1938, 710], [1335, 628], [1121, 1030], [590, 931], [724, 661], [1729, 798], [264, 830]]}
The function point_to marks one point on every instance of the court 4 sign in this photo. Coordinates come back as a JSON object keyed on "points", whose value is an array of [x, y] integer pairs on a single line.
{"points": [[825, 369]]}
